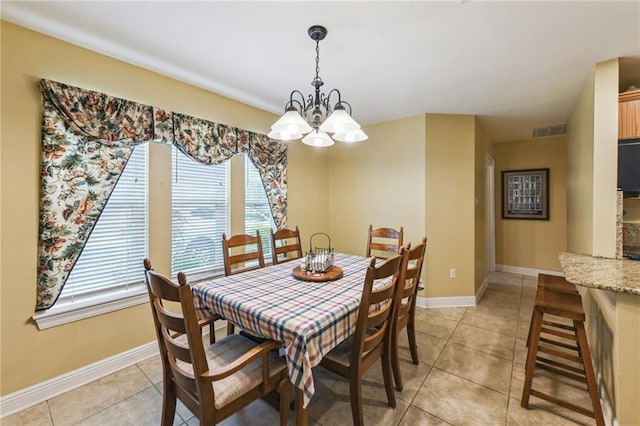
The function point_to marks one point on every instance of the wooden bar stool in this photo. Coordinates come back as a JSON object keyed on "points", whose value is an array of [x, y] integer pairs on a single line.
{"points": [[560, 341], [558, 284]]}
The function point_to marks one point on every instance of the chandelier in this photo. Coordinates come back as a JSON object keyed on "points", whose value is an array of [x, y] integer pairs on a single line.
{"points": [[318, 115]]}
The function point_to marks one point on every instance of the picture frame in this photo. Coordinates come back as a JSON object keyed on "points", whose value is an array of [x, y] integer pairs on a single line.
{"points": [[525, 194]]}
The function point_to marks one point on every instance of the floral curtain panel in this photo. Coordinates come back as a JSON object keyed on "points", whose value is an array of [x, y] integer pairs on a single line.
{"points": [[87, 139]]}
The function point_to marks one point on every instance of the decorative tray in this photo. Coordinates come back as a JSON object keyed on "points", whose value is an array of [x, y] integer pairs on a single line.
{"points": [[332, 273]]}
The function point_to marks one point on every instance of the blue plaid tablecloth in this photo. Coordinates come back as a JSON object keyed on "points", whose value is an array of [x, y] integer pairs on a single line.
{"points": [[309, 318]]}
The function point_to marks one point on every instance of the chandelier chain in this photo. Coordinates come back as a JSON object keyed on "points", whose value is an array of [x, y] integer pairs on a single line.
{"points": [[317, 58]]}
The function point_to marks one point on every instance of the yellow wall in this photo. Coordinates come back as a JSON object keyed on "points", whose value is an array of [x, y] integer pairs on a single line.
{"points": [[580, 173], [450, 199], [605, 153], [533, 243], [483, 148], [379, 182], [28, 57], [419, 173]]}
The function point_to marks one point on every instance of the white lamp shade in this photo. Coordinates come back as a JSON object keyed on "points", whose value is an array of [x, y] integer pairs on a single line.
{"points": [[284, 135], [355, 136], [339, 122], [317, 138], [291, 122]]}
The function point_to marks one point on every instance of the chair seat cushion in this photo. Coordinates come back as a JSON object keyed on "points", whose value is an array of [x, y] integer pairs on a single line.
{"points": [[228, 350], [341, 353]]}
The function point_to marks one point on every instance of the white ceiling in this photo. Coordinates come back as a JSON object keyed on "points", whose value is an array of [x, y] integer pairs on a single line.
{"points": [[517, 65]]}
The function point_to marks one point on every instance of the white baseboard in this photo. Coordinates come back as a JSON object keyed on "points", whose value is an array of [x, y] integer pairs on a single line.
{"points": [[453, 302], [526, 271], [48, 389], [481, 290], [446, 302]]}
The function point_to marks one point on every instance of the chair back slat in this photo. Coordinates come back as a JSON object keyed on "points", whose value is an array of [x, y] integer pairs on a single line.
{"points": [[285, 245], [183, 378], [384, 242], [236, 262], [176, 348], [235, 259], [374, 338], [171, 321]]}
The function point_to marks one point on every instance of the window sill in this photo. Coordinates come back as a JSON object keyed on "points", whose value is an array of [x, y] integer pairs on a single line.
{"points": [[64, 313]]}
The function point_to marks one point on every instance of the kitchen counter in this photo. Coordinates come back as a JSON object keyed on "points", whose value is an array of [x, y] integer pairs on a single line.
{"points": [[620, 276]]}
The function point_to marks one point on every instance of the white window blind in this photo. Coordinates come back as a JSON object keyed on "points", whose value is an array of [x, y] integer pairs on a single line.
{"points": [[199, 215], [112, 257], [257, 212]]}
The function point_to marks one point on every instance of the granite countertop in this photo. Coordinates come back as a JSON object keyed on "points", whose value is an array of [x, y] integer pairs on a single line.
{"points": [[622, 276]]}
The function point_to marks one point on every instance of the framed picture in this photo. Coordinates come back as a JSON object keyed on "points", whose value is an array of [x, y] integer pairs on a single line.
{"points": [[525, 194]]}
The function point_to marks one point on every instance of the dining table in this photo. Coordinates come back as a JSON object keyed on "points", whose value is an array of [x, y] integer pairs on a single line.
{"points": [[309, 317]]}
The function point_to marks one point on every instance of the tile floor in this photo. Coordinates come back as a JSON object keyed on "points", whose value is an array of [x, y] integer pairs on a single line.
{"points": [[471, 371]]}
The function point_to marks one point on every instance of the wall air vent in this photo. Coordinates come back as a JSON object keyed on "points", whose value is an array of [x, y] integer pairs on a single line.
{"points": [[545, 132]]}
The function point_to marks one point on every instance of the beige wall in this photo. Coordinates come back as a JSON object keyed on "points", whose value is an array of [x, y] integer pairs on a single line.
{"points": [[419, 173], [605, 153], [28, 57], [483, 148], [533, 243], [450, 199], [580, 173], [379, 182]]}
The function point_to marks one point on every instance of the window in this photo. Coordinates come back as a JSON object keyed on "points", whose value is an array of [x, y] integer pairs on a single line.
{"points": [[199, 215], [257, 212], [111, 261]]}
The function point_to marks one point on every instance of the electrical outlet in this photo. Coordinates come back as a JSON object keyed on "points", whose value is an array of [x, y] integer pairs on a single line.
{"points": [[452, 273]]}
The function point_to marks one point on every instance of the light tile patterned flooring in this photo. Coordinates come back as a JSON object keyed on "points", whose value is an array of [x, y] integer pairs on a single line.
{"points": [[471, 371]]}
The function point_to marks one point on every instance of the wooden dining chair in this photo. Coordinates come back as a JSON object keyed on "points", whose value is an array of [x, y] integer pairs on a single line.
{"points": [[372, 338], [206, 322], [241, 253], [384, 243], [283, 242], [216, 381], [406, 297]]}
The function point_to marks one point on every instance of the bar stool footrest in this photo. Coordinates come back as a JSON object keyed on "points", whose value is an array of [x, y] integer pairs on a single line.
{"points": [[561, 344], [559, 354], [560, 365], [562, 403], [561, 372], [558, 325], [558, 333]]}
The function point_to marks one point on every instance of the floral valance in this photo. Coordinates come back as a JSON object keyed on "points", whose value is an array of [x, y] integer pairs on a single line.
{"points": [[87, 139]]}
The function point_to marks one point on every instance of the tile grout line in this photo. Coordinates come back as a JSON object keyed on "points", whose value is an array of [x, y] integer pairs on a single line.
{"points": [[433, 366], [513, 362], [428, 373]]}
